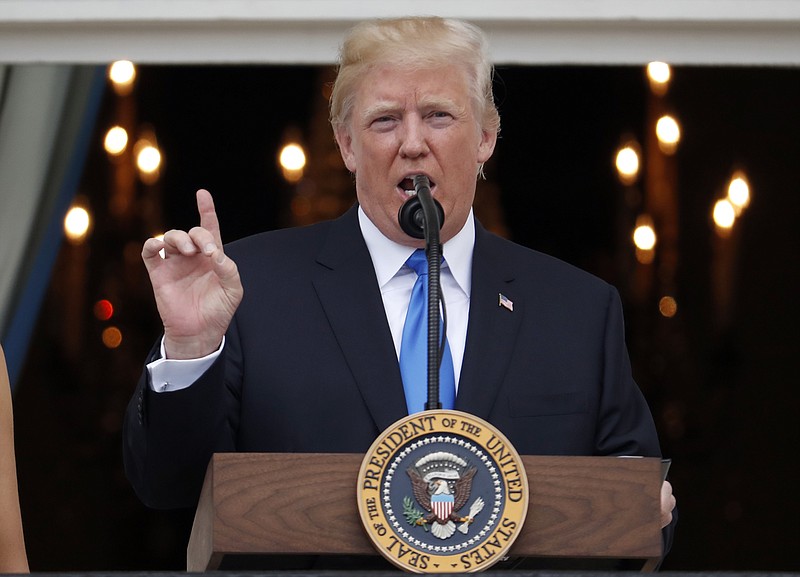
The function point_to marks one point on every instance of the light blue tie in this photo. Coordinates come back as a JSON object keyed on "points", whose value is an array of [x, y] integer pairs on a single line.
{"points": [[414, 348]]}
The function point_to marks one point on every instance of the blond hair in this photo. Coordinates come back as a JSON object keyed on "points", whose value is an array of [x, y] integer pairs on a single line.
{"points": [[418, 42]]}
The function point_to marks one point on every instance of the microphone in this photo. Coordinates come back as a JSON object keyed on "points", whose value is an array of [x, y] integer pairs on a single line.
{"points": [[411, 215], [421, 216]]}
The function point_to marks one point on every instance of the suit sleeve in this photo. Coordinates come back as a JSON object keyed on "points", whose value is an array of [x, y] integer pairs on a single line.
{"points": [[626, 425], [169, 438]]}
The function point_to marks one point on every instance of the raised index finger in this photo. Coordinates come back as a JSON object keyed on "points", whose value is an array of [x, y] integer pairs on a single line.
{"points": [[208, 215]]}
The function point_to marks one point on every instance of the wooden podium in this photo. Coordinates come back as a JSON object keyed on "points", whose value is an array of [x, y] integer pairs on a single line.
{"points": [[305, 504]]}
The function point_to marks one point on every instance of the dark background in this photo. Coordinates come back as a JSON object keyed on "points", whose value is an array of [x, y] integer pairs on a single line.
{"points": [[720, 376]]}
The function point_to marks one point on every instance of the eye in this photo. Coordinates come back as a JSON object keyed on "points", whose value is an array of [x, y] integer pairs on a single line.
{"points": [[440, 118], [385, 122]]}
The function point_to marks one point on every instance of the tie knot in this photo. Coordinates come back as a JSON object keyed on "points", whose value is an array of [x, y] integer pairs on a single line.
{"points": [[418, 261]]}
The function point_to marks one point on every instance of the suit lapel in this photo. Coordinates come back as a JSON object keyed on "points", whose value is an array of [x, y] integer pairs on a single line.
{"points": [[492, 329], [355, 310]]}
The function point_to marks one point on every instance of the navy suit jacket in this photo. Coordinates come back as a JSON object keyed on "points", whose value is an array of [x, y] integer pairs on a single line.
{"points": [[309, 364]]}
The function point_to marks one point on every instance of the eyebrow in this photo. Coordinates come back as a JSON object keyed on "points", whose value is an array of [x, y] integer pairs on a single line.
{"points": [[428, 103], [379, 109]]}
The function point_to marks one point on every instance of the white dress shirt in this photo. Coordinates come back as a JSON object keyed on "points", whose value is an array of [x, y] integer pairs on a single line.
{"points": [[395, 281]]}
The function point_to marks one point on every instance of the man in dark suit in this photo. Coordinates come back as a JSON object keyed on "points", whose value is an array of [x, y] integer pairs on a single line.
{"points": [[289, 340]]}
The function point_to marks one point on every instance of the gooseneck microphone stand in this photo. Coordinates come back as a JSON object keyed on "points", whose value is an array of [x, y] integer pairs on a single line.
{"points": [[422, 217]]}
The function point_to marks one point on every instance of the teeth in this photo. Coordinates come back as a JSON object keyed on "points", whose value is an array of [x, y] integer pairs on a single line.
{"points": [[407, 186]]}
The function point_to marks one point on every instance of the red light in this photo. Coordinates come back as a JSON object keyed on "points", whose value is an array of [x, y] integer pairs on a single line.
{"points": [[103, 310]]}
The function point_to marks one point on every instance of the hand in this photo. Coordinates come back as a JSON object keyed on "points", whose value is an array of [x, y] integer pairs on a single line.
{"points": [[668, 503], [196, 286]]}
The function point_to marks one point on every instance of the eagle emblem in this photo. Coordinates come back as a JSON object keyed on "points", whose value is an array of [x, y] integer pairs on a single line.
{"points": [[441, 483]]}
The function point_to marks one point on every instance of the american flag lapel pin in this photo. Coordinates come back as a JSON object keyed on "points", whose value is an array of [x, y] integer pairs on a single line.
{"points": [[505, 302]]}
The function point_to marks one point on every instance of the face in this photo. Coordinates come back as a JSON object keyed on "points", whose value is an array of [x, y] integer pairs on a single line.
{"points": [[409, 122]]}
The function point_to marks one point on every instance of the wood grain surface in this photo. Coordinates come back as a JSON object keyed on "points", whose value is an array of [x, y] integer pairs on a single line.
{"points": [[301, 503]]}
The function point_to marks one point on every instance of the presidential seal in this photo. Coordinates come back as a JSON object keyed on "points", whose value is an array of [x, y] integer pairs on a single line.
{"points": [[442, 492]]}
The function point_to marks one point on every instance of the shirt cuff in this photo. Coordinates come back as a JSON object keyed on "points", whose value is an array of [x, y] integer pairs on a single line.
{"points": [[168, 375]]}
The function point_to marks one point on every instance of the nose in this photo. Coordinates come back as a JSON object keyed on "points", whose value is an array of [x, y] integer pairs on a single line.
{"points": [[414, 142]]}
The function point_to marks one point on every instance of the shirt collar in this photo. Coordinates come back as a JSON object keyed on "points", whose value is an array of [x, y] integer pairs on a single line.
{"points": [[388, 256]]}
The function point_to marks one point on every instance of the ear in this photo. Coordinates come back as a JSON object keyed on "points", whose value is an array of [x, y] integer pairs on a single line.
{"points": [[486, 145], [345, 142]]}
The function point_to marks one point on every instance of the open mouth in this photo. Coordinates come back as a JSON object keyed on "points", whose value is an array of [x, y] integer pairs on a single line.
{"points": [[407, 186]]}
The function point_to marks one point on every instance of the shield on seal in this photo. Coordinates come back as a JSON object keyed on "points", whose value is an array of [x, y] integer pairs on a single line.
{"points": [[442, 506]]}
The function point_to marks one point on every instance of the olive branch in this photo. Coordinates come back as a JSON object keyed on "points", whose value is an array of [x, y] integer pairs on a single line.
{"points": [[412, 514]]}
